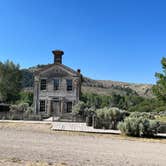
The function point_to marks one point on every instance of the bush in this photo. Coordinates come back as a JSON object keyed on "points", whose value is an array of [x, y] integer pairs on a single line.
{"points": [[21, 111], [138, 127], [147, 115], [78, 109], [26, 97], [20, 108], [162, 128], [108, 117]]}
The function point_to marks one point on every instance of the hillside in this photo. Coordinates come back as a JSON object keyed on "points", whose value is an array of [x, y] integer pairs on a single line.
{"points": [[107, 87], [104, 87]]}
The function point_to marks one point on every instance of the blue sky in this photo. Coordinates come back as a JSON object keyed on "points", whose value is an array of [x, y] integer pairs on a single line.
{"points": [[121, 40]]}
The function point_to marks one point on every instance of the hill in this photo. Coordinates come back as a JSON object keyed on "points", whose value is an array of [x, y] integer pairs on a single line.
{"points": [[107, 87], [103, 87]]}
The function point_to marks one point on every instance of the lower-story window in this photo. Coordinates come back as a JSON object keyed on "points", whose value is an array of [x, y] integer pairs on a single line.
{"points": [[69, 106], [42, 106]]}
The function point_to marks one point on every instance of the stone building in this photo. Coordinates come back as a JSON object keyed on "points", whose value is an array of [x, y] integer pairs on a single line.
{"points": [[56, 87]]}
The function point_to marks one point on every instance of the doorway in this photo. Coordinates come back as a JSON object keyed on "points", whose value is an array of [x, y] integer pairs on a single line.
{"points": [[56, 108]]}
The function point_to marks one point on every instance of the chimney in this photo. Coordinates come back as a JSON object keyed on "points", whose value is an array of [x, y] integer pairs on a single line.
{"points": [[58, 56], [78, 71]]}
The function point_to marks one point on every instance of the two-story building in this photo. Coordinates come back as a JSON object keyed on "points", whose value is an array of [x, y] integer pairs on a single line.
{"points": [[56, 87]]}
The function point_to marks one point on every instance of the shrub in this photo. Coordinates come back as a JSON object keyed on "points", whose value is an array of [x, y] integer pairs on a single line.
{"points": [[20, 108], [21, 111], [26, 97], [138, 126], [147, 115], [108, 117], [162, 128], [148, 128], [78, 109]]}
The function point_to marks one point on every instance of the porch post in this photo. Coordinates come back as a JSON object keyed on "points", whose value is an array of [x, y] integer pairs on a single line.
{"points": [[62, 106], [49, 107]]}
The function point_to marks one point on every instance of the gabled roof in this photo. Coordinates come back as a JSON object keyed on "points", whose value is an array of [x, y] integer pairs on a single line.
{"points": [[47, 67]]}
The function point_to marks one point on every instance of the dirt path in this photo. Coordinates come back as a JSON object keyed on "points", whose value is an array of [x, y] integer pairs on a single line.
{"points": [[36, 142]]}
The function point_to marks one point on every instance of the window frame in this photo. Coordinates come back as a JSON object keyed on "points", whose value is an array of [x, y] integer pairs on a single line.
{"points": [[43, 105], [69, 87], [56, 87], [41, 84]]}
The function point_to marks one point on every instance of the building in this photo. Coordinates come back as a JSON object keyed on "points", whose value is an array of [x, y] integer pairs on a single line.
{"points": [[56, 87]]}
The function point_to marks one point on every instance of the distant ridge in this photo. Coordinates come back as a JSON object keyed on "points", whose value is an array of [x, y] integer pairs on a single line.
{"points": [[109, 86]]}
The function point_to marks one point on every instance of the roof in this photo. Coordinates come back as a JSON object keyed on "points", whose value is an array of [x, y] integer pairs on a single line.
{"points": [[55, 64]]}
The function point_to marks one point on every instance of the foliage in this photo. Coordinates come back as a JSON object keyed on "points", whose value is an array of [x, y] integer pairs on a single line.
{"points": [[109, 117], [27, 78], [10, 81], [142, 114], [162, 128], [101, 101], [20, 108], [98, 101], [160, 88], [26, 97], [132, 103], [138, 127], [21, 112], [78, 109]]}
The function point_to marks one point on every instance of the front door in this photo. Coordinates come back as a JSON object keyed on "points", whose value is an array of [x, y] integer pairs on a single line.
{"points": [[56, 108]]}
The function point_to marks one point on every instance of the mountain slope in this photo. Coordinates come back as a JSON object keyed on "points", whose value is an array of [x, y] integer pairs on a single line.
{"points": [[107, 87]]}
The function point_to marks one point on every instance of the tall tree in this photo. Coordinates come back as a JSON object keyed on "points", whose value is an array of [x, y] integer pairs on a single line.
{"points": [[160, 88], [10, 81]]}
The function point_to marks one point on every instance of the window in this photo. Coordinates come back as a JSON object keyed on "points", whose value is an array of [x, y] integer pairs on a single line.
{"points": [[56, 84], [69, 107], [69, 85], [43, 84], [42, 106]]}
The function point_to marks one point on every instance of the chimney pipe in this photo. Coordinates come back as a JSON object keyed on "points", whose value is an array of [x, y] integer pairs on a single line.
{"points": [[78, 71], [58, 56]]}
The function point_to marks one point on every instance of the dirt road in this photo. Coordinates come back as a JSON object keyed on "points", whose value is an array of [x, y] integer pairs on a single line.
{"points": [[36, 142]]}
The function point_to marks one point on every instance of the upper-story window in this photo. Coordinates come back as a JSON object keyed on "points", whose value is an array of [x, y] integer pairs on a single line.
{"points": [[56, 84], [69, 84], [43, 84]]}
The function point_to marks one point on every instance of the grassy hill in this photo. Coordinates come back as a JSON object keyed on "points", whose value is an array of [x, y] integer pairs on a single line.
{"points": [[107, 87]]}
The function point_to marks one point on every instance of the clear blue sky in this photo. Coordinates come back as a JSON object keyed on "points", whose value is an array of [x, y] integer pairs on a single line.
{"points": [[120, 40]]}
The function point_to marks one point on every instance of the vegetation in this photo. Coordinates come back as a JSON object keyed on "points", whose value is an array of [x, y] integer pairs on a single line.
{"points": [[27, 78], [160, 88], [10, 82], [26, 97], [20, 112], [78, 109], [139, 127], [108, 118], [130, 102], [104, 110]]}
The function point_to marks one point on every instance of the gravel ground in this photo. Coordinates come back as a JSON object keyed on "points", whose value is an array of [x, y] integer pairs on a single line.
{"points": [[26, 143]]}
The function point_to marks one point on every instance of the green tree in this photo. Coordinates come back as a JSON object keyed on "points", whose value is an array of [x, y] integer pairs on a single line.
{"points": [[10, 81], [26, 97], [160, 88]]}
